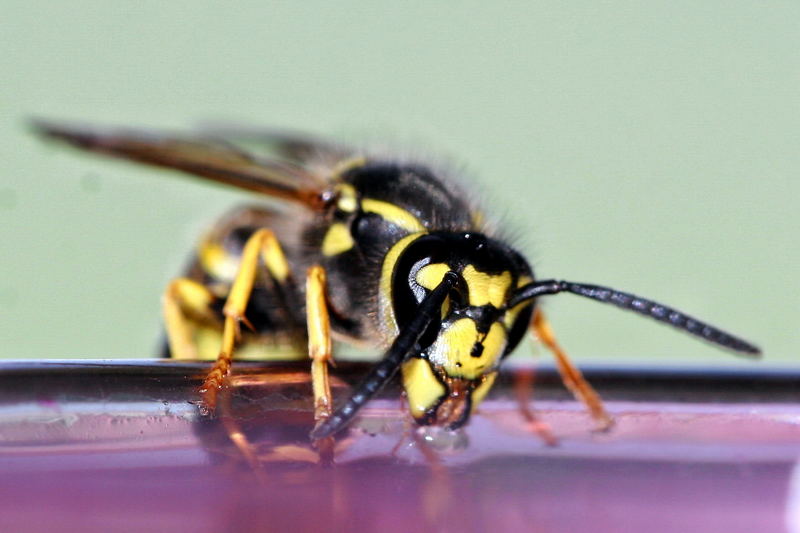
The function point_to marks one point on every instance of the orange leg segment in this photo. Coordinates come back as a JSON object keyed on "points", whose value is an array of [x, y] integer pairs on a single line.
{"points": [[572, 377], [523, 388], [261, 247]]}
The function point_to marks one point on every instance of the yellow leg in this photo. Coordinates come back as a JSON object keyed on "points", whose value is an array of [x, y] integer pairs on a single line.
{"points": [[183, 301], [319, 340], [261, 245], [319, 350], [572, 377]]}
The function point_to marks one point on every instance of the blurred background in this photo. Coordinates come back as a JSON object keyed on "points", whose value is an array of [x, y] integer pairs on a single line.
{"points": [[652, 147]]}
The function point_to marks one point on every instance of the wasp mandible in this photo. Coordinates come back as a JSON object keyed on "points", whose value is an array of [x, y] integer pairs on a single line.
{"points": [[368, 248]]}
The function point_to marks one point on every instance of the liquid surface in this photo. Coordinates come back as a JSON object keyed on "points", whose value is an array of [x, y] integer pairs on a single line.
{"points": [[122, 448]]}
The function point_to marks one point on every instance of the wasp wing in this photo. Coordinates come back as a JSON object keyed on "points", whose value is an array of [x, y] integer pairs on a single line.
{"points": [[214, 159], [295, 146]]}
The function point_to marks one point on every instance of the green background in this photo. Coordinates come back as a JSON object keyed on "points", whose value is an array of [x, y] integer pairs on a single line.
{"points": [[650, 146]]}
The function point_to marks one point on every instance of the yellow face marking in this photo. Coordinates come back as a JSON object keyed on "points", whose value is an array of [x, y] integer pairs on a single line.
{"points": [[430, 276], [386, 310], [486, 288], [217, 261], [338, 239], [482, 390], [347, 198], [391, 213], [452, 350], [422, 388]]}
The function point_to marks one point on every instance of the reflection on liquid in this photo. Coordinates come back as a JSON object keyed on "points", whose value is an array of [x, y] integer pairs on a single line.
{"points": [[124, 450]]}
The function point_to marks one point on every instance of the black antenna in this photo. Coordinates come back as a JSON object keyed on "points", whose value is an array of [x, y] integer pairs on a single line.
{"points": [[403, 346], [637, 304]]}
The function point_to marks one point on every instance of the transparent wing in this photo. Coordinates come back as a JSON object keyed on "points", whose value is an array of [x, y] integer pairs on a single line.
{"points": [[295, 146], [210, 158]]}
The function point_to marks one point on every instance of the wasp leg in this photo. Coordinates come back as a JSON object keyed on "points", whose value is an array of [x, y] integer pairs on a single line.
{"points": [[184, 300], [264, 246], [239, 439], [319, 346], [523, 390], [572, 377]]}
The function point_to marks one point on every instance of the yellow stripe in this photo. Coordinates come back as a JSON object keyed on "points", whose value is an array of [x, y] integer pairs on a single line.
{"points": [[391, 213], [347, 164], [385, 308], [338, 239], [347, 198]]}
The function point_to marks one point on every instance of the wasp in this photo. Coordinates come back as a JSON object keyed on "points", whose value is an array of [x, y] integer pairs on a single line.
{"points": [[366, 248]]}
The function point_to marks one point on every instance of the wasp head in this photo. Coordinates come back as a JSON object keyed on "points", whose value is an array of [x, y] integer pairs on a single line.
{"points": [[458, 354]]}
